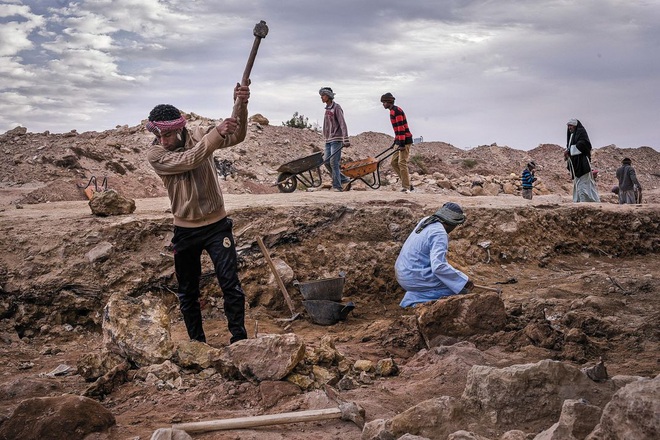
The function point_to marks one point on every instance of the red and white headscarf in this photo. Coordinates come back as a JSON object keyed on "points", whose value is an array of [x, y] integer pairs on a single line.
{"points": [[159, 127]]}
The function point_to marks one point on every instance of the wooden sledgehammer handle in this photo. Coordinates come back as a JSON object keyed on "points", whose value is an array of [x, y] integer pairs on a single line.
{"points": [[265, 420], [260, 32]]}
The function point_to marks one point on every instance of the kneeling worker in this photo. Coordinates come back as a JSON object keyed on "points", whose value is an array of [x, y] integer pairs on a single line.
{"points": [[422, 268]]}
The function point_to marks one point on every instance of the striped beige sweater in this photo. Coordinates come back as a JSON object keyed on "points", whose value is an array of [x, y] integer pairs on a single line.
{"points": [[190, 176]]}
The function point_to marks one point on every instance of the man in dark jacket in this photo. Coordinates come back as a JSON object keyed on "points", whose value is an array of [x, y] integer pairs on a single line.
{"points": [[578, 158], [629, 186]]}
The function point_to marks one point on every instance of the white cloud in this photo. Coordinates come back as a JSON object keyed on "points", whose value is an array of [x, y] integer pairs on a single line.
{"points": [[468, 73]]}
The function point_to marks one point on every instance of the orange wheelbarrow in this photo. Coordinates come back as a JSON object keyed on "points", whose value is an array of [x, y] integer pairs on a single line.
{"points": [[367, 170]]}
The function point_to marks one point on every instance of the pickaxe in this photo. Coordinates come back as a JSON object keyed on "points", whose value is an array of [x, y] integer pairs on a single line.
{"points": [[260, 31], [346, 411]]}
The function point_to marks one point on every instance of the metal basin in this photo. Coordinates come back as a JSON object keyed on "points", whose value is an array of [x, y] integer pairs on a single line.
{"points": [[326, 289], [325, 312]]}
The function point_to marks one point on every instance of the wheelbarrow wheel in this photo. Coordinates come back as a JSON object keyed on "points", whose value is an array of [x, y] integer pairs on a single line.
{"points": [[287, 182]]}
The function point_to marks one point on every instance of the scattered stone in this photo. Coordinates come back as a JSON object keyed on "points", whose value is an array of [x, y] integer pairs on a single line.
{"points": [[259, 119], [268, 357], [105, 203], [302, 381], [193, 355], [378, 429], [576, 421], [91, 366], [363, 365], [170, 434], [100, 252], [347, 383], [107, 383], [165, 371], [387, 367], [433, 418], [465, 435], [272, 392], [597, 373]]}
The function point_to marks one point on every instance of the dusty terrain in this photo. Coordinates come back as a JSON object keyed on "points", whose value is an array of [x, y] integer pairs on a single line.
{"points": [[586, 270]]}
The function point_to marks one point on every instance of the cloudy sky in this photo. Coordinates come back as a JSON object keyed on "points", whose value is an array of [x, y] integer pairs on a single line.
{"points": [[466, 72]]}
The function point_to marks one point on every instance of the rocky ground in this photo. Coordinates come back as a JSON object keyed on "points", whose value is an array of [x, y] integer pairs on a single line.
{"points": [[580, 285]]}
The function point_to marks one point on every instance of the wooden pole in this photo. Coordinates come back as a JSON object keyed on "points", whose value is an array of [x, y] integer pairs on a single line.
{"points": [[264, 250]]}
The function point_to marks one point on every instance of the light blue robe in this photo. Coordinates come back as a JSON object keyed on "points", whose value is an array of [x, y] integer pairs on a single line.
{"points": [[422, 268]]}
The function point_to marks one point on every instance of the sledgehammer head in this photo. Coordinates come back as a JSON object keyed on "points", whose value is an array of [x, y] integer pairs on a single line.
{"points": [[260, 29], [353, 412]]}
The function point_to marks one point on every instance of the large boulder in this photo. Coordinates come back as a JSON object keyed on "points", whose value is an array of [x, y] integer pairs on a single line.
{"points": [[268, 357], [524, 394], [633, 413], [66, 417], [461, 316], [137, 329]]}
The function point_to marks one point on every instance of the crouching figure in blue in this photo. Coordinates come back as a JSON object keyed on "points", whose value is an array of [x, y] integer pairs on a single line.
{"points": [[422, 268]]}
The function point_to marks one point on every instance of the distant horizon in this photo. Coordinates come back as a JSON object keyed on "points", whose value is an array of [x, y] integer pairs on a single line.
{"points": [[117, 127]]}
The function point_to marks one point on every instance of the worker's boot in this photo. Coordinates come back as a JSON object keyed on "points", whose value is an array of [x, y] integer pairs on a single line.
{"points": [[193, 320]]}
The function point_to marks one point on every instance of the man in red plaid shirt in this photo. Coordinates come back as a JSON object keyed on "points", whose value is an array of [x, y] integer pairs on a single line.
{"points": [[402, 139]]}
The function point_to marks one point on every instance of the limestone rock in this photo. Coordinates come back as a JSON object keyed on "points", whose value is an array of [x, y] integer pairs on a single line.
{"points": [[461, 316], [105, 203], [100, 252], [577, 420], [137, 329], [221, 361], [170, 434], [465, 435], [300, 380], [268, 357], [284, 271], [433, 418], [632, 413], [259, 119], [165, 371], [91, 366], [363, 365], [511, 396], [66, 417], [17, 131], [377, 430], [193, 355], [274, 391], [387, 367]]}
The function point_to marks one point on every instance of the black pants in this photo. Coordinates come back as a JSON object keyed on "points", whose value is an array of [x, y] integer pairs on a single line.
{"points": [[216, 239]]}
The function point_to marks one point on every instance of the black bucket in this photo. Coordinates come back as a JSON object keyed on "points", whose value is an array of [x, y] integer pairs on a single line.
{"points": [[326, 312], [330, 289]]}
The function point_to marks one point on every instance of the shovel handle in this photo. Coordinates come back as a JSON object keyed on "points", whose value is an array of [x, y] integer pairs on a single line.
{"points": [[264, 250], [492, 289]]}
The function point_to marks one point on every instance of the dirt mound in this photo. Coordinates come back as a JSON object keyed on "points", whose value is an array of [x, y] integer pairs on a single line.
{"points": [[47, 167], [579, 282]]}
